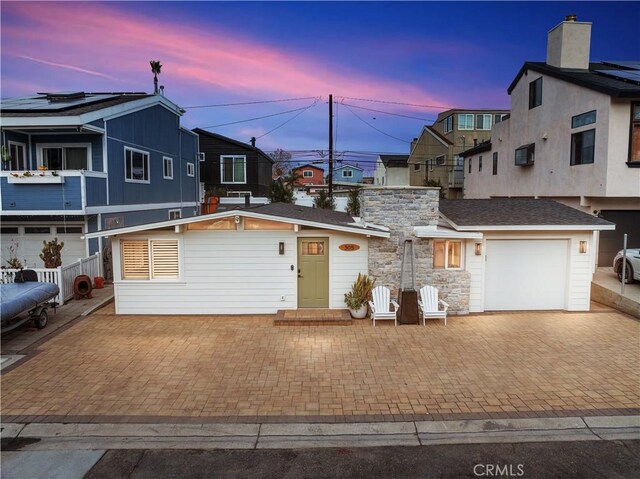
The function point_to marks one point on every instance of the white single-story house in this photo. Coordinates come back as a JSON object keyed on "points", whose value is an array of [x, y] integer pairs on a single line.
{"points": [[482, 255], [246, 261]]}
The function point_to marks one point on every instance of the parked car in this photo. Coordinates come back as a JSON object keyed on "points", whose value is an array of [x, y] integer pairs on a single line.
{"points": [[633, 265]]}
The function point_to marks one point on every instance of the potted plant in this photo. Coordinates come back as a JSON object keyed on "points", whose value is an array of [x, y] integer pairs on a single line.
{"points": [[356, 299], [212, 199]]}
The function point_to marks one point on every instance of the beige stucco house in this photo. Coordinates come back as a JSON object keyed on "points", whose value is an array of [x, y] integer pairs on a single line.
{"points": [[435, 153], [573, 135]]}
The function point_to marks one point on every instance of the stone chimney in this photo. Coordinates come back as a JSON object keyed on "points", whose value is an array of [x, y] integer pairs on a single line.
{"points": [[568, 44]]}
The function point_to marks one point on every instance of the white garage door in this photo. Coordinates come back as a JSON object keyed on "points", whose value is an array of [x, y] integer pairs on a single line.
{"points": [[526, 274]]}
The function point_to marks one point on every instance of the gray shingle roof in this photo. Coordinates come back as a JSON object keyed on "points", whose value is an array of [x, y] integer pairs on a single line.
{"points": [[516, 212], [305, 213]]}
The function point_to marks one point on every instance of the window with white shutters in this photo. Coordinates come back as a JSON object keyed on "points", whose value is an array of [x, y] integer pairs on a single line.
{"points": [[135, 259], [154, 259], [164, 259]]}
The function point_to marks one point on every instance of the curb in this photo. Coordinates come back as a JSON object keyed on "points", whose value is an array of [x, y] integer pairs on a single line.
{"points": [[59, 436]]}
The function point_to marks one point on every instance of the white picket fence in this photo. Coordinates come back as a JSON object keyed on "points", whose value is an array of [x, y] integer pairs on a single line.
{"points": [[63, 276]]}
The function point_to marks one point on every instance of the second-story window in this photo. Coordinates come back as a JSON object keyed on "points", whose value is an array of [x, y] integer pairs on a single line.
{"points": [[483, 122], [495, 162], [441, 160], [448, 124], [634, 135], [465, 121], [307, 174], [347, 173], [63, 157], [535, 93], [233, 169], [167, 168], [136, 164], [18, 154], [191, 169], [582, 147]]}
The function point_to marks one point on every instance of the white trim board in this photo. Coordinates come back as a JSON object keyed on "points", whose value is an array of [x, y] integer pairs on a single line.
{"points": [[242, 213], [91, 210]]}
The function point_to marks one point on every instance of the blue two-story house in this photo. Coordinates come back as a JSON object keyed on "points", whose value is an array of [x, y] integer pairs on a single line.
{"points": [[347, 175], [77, 162]]}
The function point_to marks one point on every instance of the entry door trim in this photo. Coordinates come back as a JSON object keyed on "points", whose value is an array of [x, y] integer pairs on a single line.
{"points": [[327, 261]]}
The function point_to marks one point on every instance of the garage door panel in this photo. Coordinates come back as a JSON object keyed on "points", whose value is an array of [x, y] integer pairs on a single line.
{"points": [[525, 274]]}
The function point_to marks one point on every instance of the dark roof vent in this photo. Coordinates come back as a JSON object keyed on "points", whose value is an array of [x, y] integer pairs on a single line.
{"points": [[64, 96]]}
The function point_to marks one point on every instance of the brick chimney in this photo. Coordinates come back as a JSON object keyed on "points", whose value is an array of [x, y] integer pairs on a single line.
{"points": [[568, 44]]}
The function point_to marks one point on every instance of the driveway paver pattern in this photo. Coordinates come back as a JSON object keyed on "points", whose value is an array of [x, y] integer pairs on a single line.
{"points": [[243, 366]]}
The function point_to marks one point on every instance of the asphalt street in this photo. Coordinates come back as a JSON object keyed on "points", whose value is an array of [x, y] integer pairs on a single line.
{"points": [[579, 459]]}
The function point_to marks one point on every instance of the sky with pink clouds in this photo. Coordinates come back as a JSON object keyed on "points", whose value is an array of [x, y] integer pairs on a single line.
{"points": [[440, 54]]}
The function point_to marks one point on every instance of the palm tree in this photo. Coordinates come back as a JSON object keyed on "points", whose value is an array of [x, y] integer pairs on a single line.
{"points": [[155, 69]]}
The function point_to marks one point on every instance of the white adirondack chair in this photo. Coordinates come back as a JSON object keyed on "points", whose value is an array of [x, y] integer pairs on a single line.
{"points": [[430, 305], [381, 305]]}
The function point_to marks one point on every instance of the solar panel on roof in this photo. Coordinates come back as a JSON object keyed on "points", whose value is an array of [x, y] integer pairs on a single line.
{"points": [[622, 74], [633, 65], [42, 103]]}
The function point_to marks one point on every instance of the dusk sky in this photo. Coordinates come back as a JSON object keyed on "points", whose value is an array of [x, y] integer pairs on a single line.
{"points": [[436, 54]]}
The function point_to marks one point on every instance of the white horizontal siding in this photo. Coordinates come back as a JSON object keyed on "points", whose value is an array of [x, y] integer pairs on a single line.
{"points": [[237, 272], [475, 268], [345, 266], [224, 272], [580, 274]]}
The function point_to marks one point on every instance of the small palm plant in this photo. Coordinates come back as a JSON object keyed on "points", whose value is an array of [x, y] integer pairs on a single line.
{"points": [[360, 293], [156, 66]]}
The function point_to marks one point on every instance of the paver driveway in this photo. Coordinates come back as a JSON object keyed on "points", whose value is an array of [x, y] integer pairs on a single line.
{"points": [[198, 366]]}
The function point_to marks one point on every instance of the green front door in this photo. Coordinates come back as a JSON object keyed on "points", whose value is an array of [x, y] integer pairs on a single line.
{"points": [[313, 272]]}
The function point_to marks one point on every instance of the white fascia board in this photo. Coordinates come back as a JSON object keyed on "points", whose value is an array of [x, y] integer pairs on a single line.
{"points": [[92, 210], [430, 232], [538, 228], [226, 214], [41, 121]]}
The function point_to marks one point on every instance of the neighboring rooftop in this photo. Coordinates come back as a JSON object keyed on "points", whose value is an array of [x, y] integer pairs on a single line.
{"points": [[335, 168], [394, 161], [617, 79], [481, 147], [64, 103], [216, 136], [515, 212]]}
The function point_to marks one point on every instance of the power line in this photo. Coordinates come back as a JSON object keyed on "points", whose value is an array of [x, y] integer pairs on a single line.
{"points": [[439, 107], [388, 112], [292, 118], [257, 118], [377, 129], [253, 102]]}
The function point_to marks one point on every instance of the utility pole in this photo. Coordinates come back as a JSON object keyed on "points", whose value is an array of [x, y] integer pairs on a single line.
{"points": [[330, 146]]}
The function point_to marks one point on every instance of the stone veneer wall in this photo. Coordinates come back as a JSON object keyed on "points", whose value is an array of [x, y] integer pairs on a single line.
{"points": [[401, 209]]}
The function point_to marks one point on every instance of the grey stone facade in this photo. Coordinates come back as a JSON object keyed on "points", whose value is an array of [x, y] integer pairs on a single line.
{"points": [[401, 209]]}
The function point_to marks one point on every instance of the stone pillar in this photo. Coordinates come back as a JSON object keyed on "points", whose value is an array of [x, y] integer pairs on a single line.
{"points": [[400, 209]]}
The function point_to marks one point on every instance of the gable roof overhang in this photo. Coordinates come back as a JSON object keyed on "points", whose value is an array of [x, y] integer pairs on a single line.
{"points": [[442, 139], [336, 168], [443, 232], [584, 78], [355, 228]]}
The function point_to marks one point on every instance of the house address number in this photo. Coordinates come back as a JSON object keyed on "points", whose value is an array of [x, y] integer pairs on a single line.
{"points": [[349, 247]]}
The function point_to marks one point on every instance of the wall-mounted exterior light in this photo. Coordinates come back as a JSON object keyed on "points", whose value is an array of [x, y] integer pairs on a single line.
{"points": [[478, 249], [281, 247], [582, 247]]}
